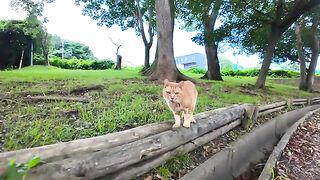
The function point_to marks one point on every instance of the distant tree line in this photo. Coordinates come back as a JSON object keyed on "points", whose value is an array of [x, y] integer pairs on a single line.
{"points": [[276, 30], [16, 41]]}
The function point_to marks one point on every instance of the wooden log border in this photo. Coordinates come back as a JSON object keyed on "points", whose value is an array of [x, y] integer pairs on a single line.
{"points": [[70, 150]]}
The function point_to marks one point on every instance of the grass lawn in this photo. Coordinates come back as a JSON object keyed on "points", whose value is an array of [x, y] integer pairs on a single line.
{"points": [[123, 100]]}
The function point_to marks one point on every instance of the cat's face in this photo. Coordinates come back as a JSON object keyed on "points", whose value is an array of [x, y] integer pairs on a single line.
{"points": [[172, 92]]}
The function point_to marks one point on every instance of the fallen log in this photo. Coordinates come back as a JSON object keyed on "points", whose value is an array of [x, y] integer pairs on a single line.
{"points": [[57, 98], [146, 166], [63, 150], [299, 103], [315, 101], [295, 102], [59, 151], [315, 98], [299, 100], [96, 164], [271, 106], [271, 111]]}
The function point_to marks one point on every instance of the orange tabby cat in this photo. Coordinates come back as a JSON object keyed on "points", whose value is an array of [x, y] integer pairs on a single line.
{"points": [[181, 98]]}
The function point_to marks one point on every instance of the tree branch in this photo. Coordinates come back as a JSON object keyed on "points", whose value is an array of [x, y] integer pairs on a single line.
{"points": [[140, 21], [118, 46], [295, 12], [150, 29], [264, 18], [215, 12]]}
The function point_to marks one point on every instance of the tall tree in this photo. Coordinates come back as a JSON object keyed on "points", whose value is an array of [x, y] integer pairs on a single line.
{"points": [[34, 11], [299, 44], [202, 16], [127, 14], [165, 67], [13, 43], [260, 26], [312, 40]]}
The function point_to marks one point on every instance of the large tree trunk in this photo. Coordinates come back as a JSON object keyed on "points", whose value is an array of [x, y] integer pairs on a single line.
{"points": [[211, 47], [269, 50], [213, 72], [166, 66], [303, 68], [315, 53]]}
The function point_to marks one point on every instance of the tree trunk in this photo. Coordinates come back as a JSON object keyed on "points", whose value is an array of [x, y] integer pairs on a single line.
{"points": [[303, 71], [21, 59], [119, 59], [146, 57], [269, 50], [315, 53], [152, 68], [166, 66], [31, 53], [45, 55], [45, 48], [213, 72]]}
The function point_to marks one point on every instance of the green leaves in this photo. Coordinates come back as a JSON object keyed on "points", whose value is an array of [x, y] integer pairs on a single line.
{"points": [[17, 171], [34, 162], [123, 13]]}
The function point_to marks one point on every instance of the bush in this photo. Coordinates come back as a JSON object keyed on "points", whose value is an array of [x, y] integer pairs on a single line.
{"points": [[250, 73], [81, 64], [195, 70], [255, 72]]}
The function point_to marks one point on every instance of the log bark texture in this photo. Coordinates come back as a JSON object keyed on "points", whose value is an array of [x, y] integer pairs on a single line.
{"points": [[146, 166], [271, 106], [110, 160]]}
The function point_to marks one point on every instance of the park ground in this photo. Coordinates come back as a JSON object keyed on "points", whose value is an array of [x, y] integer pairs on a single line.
{"points": [[118, 100]]}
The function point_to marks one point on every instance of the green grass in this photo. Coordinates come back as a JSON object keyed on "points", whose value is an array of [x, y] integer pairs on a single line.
{"points": [[125, 101], [53, 73]]}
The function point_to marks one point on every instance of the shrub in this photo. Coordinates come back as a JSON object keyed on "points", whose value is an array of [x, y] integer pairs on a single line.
{"points": [[196, 70], [81, 64], [255, 72]]}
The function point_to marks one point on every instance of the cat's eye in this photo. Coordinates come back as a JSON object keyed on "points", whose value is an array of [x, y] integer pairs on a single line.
{"points": [[168, 92], [176, 93]]}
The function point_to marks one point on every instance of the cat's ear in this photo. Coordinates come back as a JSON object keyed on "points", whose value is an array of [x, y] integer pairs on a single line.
{"points": [[181, 83], [165, 82]]}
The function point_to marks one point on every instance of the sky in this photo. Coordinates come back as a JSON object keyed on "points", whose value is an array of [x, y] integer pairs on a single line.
{"points": [[66, 20]]}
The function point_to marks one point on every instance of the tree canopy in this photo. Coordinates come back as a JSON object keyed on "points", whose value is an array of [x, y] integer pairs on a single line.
{"points": [[70, 49]]}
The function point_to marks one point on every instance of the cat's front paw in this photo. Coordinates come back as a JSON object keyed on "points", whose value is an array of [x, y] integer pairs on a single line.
{"points": [[176, 126], [186, 125]]}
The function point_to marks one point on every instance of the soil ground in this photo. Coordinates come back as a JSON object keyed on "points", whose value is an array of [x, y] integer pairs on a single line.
{"points": [[301, 157]]}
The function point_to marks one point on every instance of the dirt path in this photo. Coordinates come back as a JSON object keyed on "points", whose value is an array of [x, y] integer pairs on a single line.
{"points": [[301, 157]]}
